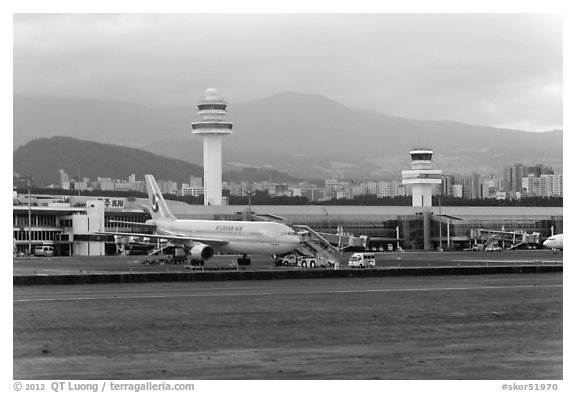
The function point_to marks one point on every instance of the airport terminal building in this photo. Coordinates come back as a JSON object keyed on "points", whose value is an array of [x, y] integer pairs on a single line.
{"points": [[68, 224]]}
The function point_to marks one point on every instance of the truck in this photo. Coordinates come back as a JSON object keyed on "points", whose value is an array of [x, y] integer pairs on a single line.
{"points": [[177, 257], [362, 260]]}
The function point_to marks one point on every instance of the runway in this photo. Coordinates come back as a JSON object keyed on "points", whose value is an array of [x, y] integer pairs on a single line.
{"points": [[281, 288], [443, 327]]}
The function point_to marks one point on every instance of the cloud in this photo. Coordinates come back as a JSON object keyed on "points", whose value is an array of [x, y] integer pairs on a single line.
{"points": [[489, 69]]}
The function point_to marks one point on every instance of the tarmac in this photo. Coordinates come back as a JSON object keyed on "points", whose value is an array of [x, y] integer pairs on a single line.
{"points": [[346, 324], [35, 270], [500, 326]]}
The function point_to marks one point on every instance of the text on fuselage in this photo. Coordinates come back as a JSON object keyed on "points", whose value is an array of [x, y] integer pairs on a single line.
{"points": [[229, 228]]}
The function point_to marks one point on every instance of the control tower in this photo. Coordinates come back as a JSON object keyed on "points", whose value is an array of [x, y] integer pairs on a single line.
{"points": [[212, 109], [421, 177]]}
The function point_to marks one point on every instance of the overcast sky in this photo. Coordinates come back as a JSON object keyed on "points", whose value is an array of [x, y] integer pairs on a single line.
{"points": [[500, 70]]}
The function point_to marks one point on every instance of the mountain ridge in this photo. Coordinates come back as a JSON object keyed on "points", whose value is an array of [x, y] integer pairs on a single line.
{"points": [[44, 157], [304, 135]]}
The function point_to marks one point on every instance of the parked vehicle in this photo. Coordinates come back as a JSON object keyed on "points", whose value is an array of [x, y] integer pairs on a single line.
{"points": [[44, 251], [362, 260], [292, 260], [179, 257]]}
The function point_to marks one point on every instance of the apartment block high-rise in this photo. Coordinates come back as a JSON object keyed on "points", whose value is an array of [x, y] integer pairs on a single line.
{"points": [[513, 178]]}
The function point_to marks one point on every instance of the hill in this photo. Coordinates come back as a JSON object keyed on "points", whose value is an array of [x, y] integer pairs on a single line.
{"points": [[307, 136], [43, 158], [253, 175], [46, 156]]}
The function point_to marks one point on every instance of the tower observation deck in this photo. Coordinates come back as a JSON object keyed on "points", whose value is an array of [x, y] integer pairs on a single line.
{"points": [[212, 109], [421, 177]]}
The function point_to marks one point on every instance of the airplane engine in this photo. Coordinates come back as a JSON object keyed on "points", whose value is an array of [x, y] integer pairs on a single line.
{"points": [[201, 252]]}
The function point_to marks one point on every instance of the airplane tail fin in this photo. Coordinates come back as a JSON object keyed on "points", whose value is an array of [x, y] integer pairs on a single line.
{"points": [[159, 209]]}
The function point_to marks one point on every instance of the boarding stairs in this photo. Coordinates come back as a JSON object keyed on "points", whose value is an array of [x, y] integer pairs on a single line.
{"points": [[158, 250], [313, 244], [517, 246], [492, 241]]}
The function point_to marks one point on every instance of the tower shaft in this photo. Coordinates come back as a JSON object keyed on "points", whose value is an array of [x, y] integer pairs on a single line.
{"points": [[213, 170]]}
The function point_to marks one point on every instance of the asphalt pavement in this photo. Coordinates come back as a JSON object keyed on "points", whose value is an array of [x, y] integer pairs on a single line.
{"points": [[135, 264]]}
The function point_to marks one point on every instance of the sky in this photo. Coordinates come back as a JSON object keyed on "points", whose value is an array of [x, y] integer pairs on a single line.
{"points": [[502, 70]]}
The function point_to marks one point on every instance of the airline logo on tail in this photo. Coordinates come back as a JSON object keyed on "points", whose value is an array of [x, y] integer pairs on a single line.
{"points": [[155, 206], [159, 209]]}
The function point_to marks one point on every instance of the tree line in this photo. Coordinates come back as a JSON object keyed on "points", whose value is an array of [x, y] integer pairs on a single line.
{"points": [[263, 198]]}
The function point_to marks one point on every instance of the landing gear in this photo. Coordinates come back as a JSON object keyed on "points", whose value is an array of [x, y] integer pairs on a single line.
{"points": [[244, 261]]}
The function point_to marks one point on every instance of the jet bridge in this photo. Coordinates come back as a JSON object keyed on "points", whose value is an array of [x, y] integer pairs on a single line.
{"points": [[516, 239]]}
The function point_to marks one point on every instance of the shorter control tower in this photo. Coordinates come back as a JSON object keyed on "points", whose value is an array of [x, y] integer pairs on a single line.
{"points": [[421, 177], [212, 109]]}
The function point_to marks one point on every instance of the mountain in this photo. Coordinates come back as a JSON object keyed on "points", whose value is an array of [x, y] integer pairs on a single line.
{"points": [[253, 175], [44, 157], [307, 136]]}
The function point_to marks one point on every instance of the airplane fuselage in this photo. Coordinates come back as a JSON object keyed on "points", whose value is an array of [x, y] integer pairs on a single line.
{"points": [[243, 237], [555, 242]]}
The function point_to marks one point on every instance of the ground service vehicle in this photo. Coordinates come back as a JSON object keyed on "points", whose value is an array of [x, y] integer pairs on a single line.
{"points": [[293, 261], [305, 262], [322, 262], [362, 259], [178, 257]]}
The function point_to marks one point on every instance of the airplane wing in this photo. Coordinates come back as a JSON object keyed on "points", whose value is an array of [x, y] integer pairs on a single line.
{"points": [[175, 238]]}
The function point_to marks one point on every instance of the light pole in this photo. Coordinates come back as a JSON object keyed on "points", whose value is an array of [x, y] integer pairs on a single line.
{"points": [[440, 219], [249, 205], [29, 220]]}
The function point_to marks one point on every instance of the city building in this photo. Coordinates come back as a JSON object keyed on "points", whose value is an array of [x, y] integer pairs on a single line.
{"points": [[551, 185], [191, 190], [474, 186], [513, 178]]}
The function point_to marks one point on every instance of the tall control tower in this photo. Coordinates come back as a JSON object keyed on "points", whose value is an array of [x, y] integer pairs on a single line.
{"points": [[421, 177], [212, 109]]}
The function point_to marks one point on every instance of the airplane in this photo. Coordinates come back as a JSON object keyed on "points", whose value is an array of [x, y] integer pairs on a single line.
{"points": [[555, 242], [200, 238]]}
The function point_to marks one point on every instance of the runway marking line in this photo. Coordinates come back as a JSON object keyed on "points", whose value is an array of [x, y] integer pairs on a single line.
{"points": [[516, 261], [119, 297]]}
